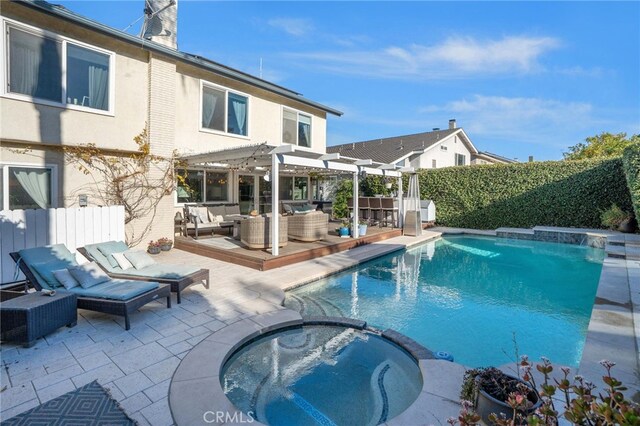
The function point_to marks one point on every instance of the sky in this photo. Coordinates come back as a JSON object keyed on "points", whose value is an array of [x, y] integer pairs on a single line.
{"points": [[521, 78]]}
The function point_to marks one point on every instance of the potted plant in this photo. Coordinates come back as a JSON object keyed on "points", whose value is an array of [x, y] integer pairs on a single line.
{"points": [[616, 218], [154, 247], [494, 392], [165, 244], [362, 228], [344, 229]]}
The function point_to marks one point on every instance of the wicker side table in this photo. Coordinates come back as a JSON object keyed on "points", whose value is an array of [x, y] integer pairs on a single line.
{"points": [[26, 317]]}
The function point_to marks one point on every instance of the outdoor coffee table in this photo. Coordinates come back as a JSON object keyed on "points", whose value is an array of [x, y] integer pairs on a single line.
{"points": [[26, 317]]}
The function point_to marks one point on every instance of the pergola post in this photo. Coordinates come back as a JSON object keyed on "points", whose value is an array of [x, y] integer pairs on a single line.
{"points": [[400, 203], [356, 207], [275, 210]]}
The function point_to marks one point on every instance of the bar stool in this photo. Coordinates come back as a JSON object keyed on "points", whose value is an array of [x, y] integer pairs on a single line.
{"points": [[375, 206], [388, 206], [363, 207]]}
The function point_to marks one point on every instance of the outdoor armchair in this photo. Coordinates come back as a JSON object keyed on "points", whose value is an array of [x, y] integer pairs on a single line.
{"points": [[178, 276]]}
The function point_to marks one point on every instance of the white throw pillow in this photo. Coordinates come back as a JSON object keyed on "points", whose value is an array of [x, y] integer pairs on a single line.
{"points": [[139, 259], [65, 278], [203, 214], [219, 218], [123, 262]]}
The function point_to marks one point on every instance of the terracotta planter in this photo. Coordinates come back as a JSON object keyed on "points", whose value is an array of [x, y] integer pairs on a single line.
{"points": [[153, 250], [485, 404]]}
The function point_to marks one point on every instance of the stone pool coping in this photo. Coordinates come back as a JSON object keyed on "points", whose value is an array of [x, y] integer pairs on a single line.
{"points": [[196, 394]]}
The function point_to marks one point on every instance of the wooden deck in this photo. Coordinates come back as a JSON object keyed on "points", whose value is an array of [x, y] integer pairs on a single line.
{"points": [[293, 252]]}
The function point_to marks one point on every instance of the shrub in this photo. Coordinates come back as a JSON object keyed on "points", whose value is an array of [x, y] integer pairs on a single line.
{"points": [[613, 217], [553, 193], [343, 192], [631, 166]]}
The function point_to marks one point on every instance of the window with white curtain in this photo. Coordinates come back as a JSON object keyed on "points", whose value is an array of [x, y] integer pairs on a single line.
{"points": [[36, 61], [296, 128], [224, 111], [26, 187]]}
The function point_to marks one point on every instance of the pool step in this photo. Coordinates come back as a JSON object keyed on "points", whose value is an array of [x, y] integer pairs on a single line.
{"points": [[622, 247]]}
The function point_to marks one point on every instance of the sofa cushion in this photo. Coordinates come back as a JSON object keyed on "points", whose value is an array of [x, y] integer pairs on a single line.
{"points": [[232, 210], [139, 259], [216, 211], [110, 247], [89, 274], [116, 289], [45, 270], [287, 208], [65, 278], [160, 270]]}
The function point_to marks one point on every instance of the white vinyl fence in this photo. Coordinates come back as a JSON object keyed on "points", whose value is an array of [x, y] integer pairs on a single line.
{"points": [[73, 227]]}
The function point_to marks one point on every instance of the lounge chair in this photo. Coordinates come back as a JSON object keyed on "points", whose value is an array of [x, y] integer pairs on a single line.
{"points": [[116, 297], [178, 276]]}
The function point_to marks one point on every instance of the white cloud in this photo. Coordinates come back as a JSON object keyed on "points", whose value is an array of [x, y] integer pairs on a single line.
{"points": [[293, 26], [454, 58], [527, 120]]}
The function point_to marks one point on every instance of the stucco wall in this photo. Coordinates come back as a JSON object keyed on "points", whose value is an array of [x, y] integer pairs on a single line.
{"points": [[22, 120], [265, 115]]}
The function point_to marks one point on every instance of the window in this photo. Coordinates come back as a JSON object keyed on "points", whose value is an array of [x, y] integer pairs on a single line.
{"points": [[296, 128], [433, 164], [26, 187], [52, 68], [300, 188], [224, 111], [286, 188], [443, 148], [202, 186], [217, 187], [460, 159]]}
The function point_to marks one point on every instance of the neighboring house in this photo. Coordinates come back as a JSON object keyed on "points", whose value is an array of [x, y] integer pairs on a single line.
{"points": [[484, 157], [428, 150], [68, 80]]}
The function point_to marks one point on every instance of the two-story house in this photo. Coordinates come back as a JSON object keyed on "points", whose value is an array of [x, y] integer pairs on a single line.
{"points": [[68, 81], [427, 150]]}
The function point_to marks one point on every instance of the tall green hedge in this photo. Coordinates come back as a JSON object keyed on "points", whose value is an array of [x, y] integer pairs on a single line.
{"points": [[554, 193], [631, 166]]}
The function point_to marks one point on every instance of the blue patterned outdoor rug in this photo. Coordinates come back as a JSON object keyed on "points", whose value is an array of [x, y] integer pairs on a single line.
{"points": [[90, 405]]}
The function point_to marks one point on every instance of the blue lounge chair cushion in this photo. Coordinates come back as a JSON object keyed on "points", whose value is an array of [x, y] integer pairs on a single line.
{"points": [[46, 270], [46, 254], [116, 289], [159, 270], [110, 247], [89, 274], [96, 254]]}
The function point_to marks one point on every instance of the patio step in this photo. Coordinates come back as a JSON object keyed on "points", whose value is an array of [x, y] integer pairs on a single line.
{"points": [[615, 251]]}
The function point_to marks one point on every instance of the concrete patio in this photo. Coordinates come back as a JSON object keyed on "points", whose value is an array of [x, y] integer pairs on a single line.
{"points": [[137, 365]]}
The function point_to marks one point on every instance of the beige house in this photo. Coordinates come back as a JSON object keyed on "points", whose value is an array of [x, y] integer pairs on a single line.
{"points": [[70, 81], [428, 150]]}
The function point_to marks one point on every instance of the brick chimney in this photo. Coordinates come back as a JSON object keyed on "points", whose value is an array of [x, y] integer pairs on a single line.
{"points": [[161, 22], [452, 123]]}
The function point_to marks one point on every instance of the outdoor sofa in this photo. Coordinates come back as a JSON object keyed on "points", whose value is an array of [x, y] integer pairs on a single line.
{"points": [[115, 296], [310, 226], [202, 218], [178, 276]]}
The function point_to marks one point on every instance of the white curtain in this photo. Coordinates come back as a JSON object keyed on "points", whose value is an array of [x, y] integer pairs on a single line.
{"points": [[98, 87], [240, 111], [36, 184], [305, 132], [209, 102], [25, 63]]}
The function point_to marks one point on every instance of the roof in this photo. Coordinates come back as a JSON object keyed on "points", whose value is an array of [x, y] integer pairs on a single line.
{"points": [[496, 156], [390, 150], [209, 65]]}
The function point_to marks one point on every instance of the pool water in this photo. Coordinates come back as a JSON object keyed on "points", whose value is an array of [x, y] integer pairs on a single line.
{"points": [[478, 298], [321, 375]]}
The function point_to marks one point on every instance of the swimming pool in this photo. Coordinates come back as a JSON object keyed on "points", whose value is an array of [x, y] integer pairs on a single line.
{"points": [[468, 295]]}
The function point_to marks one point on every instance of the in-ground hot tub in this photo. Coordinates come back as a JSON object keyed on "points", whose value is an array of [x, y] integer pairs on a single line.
{"points": [[321, 375], [277, 368]]}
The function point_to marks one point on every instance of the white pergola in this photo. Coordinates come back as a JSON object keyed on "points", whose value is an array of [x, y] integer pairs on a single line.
{"points": [[275, 158]]}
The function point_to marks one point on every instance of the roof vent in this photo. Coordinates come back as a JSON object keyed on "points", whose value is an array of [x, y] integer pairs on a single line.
{"points": [[435, 129]]}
